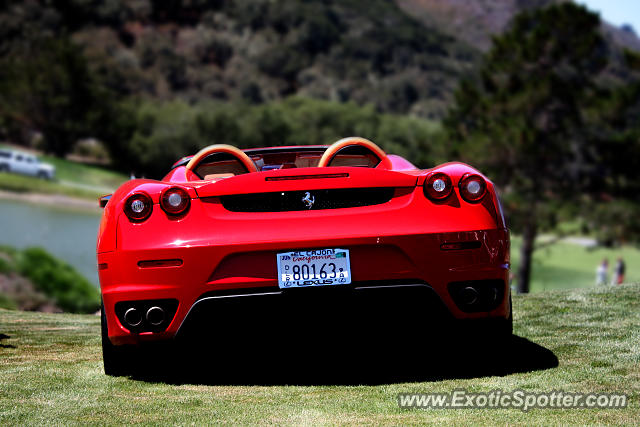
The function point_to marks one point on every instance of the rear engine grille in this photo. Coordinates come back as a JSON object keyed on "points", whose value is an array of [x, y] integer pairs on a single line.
{"points": [[307, 200]]}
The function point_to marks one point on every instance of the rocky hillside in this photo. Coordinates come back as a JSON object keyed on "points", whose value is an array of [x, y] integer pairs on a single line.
{"points": [[471, 21], [476, 21]]}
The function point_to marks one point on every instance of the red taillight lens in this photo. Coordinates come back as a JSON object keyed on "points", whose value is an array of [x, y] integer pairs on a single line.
{"points": [[438, 186], [175, 200], [138, 207], [472, 188]]}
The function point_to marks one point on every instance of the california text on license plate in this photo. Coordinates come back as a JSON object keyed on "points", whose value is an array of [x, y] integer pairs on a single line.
{"points": [[319, 267]]}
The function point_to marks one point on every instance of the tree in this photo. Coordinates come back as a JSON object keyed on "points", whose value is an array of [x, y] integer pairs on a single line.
{"points": [[522, 119], [615, 130], [48, 87]]}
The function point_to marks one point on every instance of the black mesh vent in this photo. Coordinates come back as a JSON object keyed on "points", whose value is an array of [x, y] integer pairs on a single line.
{"points": [[307, 200]]}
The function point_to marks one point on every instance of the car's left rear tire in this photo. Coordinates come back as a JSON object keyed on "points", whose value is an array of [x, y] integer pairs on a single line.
{"points": [[117, 359], [503, 328]]}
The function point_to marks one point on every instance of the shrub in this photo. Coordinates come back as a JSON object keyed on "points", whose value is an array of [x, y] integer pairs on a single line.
{"points": [[59, 281]]}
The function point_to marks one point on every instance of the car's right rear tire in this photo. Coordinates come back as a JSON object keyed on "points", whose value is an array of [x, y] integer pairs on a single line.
{"points": [[117, 359], [487, 331]]}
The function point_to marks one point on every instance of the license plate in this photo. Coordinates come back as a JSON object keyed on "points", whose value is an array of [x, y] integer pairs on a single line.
{"points": [[319, 267]]}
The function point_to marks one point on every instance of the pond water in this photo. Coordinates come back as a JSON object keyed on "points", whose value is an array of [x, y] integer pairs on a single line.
{"points": [[68, 234]]}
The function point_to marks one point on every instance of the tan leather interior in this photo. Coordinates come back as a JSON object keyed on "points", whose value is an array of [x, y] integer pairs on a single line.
{"points": [[221, 148], [213, 176], [353, 140]]}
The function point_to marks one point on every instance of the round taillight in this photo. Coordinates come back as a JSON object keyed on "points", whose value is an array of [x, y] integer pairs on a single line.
{"points": [[438, 186], [472, 188], [138, 207], [175, 200]]}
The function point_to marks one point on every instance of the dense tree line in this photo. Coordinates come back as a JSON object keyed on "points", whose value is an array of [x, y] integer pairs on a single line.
{"points": [[47, 87], [167, 131]]}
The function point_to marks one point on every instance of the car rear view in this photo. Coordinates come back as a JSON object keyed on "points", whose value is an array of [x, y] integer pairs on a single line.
{"points": [[298, 230]]}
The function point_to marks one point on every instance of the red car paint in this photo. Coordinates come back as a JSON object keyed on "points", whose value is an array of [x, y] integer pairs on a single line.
{"points": [[211, 249]]}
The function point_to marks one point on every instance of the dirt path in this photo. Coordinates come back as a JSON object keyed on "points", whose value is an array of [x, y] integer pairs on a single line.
{"points": [[51, 199]]}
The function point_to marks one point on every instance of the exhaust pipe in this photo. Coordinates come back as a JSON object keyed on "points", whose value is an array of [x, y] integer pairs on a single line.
{"points": [[155, 316], [133, 317], [470, 295]]}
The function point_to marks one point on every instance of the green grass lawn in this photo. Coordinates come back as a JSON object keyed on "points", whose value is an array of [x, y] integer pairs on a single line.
{"points": [[567, 265], [68, 171], [51, 372]]}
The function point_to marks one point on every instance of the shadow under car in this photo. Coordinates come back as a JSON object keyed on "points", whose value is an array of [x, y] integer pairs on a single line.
{"points": [[324, 341]]}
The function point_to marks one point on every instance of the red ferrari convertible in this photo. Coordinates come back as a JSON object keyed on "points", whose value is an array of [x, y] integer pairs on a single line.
{"points": [[309, 229]]}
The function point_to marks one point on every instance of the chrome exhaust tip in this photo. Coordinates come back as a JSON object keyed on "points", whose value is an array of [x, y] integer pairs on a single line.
{"points": [[155, 316], [470, 295], [133, 317]]}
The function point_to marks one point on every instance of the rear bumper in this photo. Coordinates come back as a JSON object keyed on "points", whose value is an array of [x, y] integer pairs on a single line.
{"points": [[212, 275], [351, 310]]}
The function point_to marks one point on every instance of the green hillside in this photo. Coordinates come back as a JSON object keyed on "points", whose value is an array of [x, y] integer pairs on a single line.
{"points": [[51, 372]]}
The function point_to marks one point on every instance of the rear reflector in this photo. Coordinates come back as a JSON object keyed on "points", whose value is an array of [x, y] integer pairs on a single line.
{"points": [[160, 263], [456, 246], [297, 177]]}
